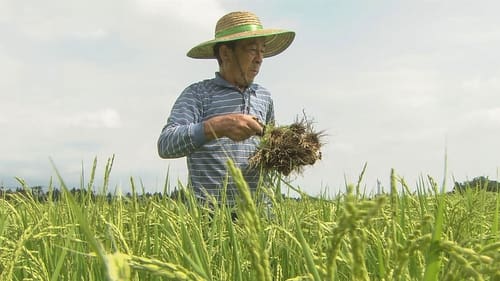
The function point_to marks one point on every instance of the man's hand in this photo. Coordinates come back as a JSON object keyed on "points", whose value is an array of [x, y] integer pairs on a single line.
{"points": [[235, 126]]}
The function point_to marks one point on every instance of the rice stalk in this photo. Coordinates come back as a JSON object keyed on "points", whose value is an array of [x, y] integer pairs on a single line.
{"points": [[117, 265], [308, 256], [8, 268], [165, 269], [247, 211], [433, 258], [165, 239]]}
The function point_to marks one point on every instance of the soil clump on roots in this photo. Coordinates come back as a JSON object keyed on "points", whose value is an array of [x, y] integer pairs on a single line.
{"points": [[287, 149]]}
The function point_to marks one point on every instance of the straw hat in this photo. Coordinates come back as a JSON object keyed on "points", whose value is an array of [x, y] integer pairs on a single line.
{"points": [[242, 25]]}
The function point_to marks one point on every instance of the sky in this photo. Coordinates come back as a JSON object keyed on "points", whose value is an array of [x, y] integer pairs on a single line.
{"points": [[412, 86]]}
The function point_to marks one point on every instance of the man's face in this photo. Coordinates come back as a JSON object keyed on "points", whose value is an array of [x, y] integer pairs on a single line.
{"points": [[249, 54]]}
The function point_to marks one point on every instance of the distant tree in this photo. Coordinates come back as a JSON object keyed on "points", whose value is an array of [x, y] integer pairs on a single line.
{"points": [[478, 183]]}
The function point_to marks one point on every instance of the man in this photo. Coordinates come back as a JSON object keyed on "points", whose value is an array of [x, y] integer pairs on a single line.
{"points": [[221, 118]]}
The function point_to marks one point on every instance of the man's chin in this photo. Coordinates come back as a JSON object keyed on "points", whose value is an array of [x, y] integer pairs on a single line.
{"points": [[251, 79]]}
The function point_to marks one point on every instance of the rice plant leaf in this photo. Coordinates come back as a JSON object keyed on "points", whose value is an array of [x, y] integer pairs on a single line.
{"points": [[308, 256], [433, 258], [60, 262]]}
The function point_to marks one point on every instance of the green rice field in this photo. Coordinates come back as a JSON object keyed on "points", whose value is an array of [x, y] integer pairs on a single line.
{"points": [[406, 233]]}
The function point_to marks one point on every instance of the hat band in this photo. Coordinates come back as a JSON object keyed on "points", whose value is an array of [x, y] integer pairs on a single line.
{"points": [[238, 29]]}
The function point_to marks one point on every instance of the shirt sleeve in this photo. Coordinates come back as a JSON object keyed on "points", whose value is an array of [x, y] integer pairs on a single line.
{"points": [[184, 131]]}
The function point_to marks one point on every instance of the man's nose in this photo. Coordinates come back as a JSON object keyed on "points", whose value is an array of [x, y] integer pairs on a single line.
{"points": [[260, 56]]}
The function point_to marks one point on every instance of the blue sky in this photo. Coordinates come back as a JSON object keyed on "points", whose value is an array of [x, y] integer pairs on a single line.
{"points": [[394, 84]]}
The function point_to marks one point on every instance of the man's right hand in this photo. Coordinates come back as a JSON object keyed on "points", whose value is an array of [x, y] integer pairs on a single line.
{"points": [[235, 126]]}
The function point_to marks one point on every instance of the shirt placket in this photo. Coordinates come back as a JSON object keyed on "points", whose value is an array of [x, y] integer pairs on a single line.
{"points": [[246, 102]]}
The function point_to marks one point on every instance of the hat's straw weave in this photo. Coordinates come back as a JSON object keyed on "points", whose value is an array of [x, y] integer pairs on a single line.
{"points": [[242, 25], [236, 19]]}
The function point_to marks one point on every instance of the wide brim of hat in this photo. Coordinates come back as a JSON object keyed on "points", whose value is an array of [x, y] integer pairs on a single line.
{"points": [[277, 40]]}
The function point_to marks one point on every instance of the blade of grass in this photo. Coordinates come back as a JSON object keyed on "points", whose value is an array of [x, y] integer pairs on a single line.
{"points": [[81, 218], [60, 262], [307, 251], [433, 257]]}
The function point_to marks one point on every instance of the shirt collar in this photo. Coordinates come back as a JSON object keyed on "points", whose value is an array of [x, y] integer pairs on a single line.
{"points": [[218, 80]]}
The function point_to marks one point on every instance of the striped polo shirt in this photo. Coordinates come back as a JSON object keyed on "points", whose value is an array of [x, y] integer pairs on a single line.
{"points": [[183, 135]]}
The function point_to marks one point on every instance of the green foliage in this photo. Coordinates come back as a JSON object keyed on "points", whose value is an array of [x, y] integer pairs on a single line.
{"points": [[478, 183], [397, 236]]}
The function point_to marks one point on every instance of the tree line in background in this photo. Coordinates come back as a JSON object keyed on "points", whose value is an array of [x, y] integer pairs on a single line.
{"points": [[39, 193], [478, 183]]}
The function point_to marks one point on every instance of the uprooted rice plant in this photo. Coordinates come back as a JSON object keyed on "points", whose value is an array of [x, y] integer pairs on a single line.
{"points": [[287, 149], [426, 235]]}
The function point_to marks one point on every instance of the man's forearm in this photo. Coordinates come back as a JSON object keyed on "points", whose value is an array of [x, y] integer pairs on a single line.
{"points": [[179, 141]]}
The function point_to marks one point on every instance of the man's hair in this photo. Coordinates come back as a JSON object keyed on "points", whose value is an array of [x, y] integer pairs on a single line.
{"points": [[230, 44]]}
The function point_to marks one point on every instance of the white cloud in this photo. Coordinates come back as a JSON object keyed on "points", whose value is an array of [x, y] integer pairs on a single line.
{"points": [[385, 95], [482, 84], [10, 69], [105, 118], [198, 12], [482, 119], [94, 34], [56, 19], [494, 114]]}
